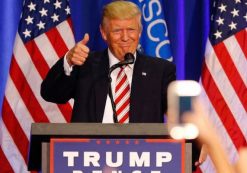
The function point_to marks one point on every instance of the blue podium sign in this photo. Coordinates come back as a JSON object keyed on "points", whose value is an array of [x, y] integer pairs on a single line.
{"points": [[117, 156]]}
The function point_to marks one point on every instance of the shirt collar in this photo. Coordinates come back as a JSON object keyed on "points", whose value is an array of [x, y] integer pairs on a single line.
{"points": [[113, 60]]}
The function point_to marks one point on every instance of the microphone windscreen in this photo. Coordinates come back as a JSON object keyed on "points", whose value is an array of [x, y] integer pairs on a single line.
{"points": [[129, 57]]}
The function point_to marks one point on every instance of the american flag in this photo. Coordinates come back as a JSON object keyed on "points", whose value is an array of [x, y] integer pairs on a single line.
{"points": [[224, 75], [44, 35]]}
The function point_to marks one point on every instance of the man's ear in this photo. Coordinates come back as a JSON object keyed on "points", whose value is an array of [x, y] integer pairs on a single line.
{"points": [[103, 32]]}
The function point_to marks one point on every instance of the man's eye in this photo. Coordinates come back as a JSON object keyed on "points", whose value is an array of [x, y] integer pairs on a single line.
{"points": [[116, 31]]}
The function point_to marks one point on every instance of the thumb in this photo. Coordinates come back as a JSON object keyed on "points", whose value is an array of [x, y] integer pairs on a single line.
{"points": [[85, 39]]}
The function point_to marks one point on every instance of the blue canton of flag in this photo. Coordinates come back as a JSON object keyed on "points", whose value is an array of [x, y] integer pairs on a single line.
{"points": [[228, 18], [154, 40], [41, 17]]}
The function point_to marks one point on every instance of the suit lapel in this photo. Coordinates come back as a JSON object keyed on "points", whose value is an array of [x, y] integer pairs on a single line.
{"points": [[101, 69]]}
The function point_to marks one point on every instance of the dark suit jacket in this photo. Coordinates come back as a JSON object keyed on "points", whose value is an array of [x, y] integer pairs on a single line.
{"points": [[88, 85]]}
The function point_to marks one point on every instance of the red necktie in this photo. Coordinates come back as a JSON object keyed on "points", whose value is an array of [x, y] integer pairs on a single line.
{"points": [[122, 97]]}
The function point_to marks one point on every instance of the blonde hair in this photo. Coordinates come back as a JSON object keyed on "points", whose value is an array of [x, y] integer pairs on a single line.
{"points": [[120, 9]]}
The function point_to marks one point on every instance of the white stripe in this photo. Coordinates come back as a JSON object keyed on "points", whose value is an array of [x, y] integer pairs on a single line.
{"points": [[121, 89], [18, 107], [66, 33], [121, 115], [120, 77], [123, 100], [208, 166], [238, 57], [46, 49], [226, 90], [10, 150], [34, 80]]}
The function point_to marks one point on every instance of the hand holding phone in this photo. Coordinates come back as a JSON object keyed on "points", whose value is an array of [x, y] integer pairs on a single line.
{"points": [[181, 95]]}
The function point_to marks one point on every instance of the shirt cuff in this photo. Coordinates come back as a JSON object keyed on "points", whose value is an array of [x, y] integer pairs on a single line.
{"points": [[67, 68]]}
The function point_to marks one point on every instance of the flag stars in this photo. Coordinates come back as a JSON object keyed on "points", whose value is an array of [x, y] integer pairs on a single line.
{"points": [[237, 1], [235, 12], [46, 1], [57, 4], [218, 34], [222, 8], [67, 9], [27, 33], [233, 26], [43, 12], [32, 6], [41, 25], [55, 17], [29, 20], [245, 17], [220, 21]]}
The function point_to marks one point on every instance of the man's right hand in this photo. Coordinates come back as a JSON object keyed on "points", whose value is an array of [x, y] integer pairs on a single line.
{"points": [[79, 53]]}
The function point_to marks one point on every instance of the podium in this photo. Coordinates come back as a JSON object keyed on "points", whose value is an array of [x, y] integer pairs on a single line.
{"points": [[42, 133]]}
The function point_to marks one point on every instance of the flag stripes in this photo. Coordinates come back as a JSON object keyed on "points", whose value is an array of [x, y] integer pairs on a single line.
{"points": [[224, 81], [242, 40], [223, 110], [37, 58], [5, 166], [13, 127], [57, 42], [231, 71], [239, 60]]}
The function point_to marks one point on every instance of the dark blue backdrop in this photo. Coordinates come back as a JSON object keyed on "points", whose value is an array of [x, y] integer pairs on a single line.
{"points": [[187, 20]]}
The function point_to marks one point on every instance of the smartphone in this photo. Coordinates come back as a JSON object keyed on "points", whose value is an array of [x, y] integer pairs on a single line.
{"points": [[181, 95]]}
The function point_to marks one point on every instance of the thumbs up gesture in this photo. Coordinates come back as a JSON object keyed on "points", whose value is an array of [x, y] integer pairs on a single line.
{"points": [[79, 53]]}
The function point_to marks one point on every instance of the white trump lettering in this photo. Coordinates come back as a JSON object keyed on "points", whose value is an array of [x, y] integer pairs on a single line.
{"points": [[163, 157], [118, 162], [135, 160], [75, 171], [91, 157], [71, 157]]}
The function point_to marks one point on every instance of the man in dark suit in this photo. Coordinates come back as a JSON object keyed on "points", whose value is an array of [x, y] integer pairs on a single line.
{"points": [[83, 75]]}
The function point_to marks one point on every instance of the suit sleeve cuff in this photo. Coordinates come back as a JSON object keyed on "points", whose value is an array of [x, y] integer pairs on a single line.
{"points": [[67, 68]]}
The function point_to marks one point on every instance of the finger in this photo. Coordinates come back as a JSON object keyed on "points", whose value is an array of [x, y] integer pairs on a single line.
{"points": [[78, 57], [197, 163], [78, 61], [85, 39]]}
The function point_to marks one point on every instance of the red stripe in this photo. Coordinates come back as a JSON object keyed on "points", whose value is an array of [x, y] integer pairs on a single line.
{"points": [[15, 130], [122, 94], [57, 42], [70, 24], [198, 170], [120, 83], [123, 80], [232, 73], [42, 67], [126, 103], [222, 109], [37, 58], [5, 166], [66, 110], [125, 117], [26, 93], [242, 41]]}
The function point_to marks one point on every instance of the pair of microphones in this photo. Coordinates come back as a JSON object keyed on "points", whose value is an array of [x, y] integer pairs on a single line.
{"points": [[128, 59]]}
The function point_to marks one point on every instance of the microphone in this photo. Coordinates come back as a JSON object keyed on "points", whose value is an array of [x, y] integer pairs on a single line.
{"points": [[128, 59]]}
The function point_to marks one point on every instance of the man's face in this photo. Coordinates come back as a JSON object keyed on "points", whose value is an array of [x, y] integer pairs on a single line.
{"points": [[122, 36]]}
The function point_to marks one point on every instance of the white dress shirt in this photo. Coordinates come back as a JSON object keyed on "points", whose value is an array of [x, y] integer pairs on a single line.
{"points": [[108, 112]]}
